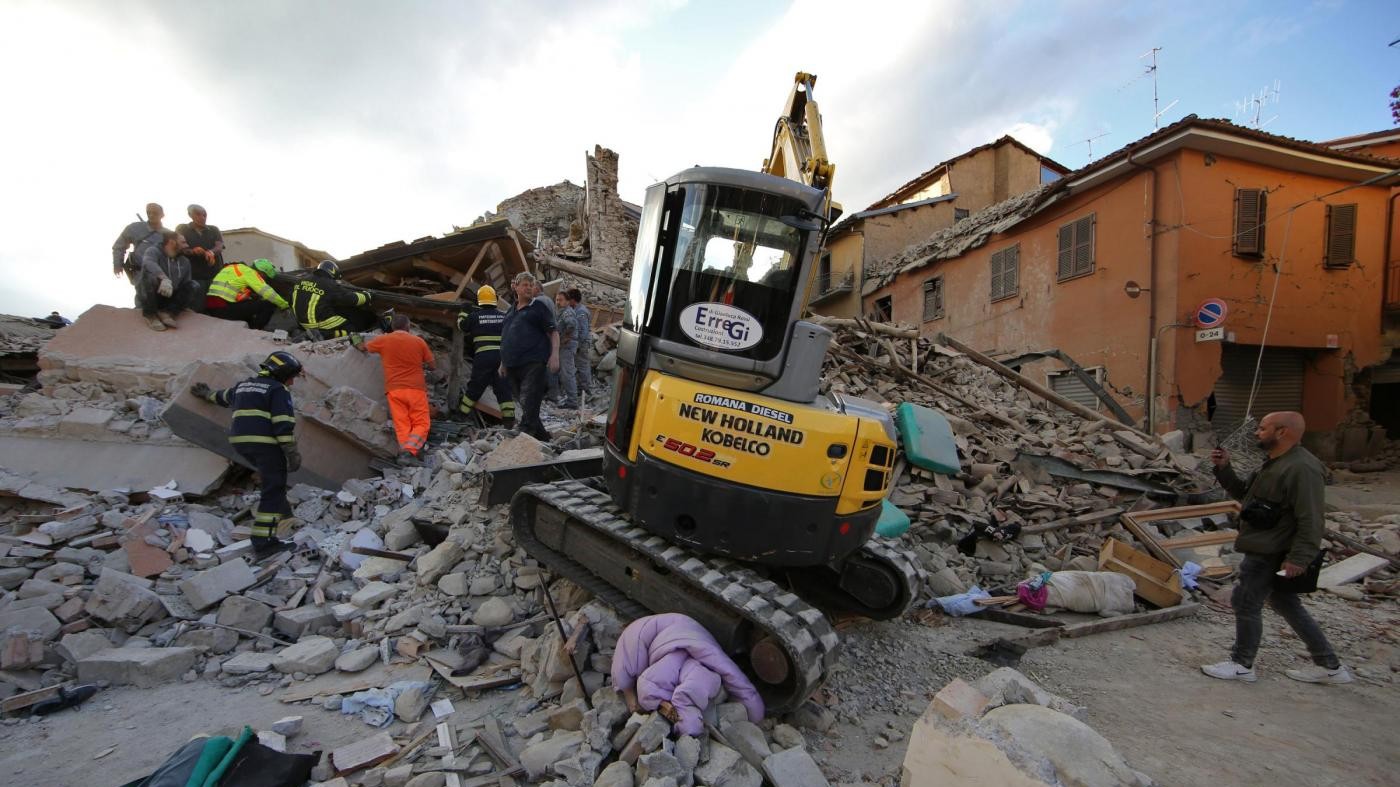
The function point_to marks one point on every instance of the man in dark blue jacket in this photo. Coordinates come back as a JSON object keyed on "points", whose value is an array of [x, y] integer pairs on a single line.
{"points": [[529, 350], [263, 433]]}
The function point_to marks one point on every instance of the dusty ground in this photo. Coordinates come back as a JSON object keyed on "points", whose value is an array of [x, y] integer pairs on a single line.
{"points": [[1142, 689]]}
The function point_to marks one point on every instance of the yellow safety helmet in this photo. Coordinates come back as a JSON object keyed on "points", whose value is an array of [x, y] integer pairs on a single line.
{"points": [[486, 296]]}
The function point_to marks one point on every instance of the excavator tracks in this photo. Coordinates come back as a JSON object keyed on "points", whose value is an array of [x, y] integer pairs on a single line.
{"points": [[783, 642]]}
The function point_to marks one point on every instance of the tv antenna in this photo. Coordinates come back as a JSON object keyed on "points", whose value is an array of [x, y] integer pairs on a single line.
{"points": [[1251, 108], [1151, 70], [1090, 143]]}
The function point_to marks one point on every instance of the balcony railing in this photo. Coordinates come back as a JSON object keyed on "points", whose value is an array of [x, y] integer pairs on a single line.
{"points": [[832, 283]]}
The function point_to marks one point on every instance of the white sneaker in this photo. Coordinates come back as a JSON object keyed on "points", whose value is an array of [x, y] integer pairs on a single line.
{"points": [[1229, 670], [1321, 675]]}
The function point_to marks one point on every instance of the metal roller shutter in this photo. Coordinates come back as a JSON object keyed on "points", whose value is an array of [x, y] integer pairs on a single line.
{"points": [[1280, 383], [1069, 386]]}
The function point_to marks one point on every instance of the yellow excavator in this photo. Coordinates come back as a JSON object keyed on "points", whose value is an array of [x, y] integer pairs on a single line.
{"points": [[733, 490]]}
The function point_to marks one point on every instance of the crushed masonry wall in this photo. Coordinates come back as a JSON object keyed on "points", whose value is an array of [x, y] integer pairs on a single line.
{"points": [[612, 232]]}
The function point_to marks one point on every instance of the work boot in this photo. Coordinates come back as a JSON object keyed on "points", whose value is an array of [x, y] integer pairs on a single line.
{"points": [[264, 548], [458, 417], [508, 423], [154, 323], [1320, 674], [406, 459], [167, 319], [1229, 670]]}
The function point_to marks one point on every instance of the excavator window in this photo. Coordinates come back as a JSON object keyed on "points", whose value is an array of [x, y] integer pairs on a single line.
{"points": [[732, 270]]}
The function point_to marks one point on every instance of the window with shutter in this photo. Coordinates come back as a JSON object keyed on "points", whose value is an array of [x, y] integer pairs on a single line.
{"points": [[1249, 222], [1006, 272], [1076, 248], [933, 298], [1341, 236]]}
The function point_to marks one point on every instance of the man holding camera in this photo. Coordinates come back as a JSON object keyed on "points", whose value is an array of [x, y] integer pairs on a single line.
{"points": [[1281, 528]]}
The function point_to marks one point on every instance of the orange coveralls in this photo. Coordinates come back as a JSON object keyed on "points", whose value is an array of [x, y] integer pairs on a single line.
{"points": [[404, 356]]}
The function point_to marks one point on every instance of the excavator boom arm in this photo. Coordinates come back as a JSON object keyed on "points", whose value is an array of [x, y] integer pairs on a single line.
{"points": [[798, 150]]}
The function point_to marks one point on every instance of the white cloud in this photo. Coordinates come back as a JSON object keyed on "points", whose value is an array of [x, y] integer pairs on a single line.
{"points": [[347, 125]]}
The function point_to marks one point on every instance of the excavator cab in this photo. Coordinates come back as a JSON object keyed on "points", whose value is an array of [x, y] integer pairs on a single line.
{"points": [[718, 437]]}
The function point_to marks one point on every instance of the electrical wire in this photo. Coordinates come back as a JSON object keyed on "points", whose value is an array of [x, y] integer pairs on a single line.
{"points": [[1268, 318]]}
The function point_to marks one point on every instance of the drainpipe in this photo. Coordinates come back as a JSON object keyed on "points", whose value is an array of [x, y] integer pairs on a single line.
{"points": [[1151, 298], [1385, 269]]}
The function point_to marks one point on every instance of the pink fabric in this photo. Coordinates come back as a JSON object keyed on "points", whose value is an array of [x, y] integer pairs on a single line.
{"points": [[673, 658]]}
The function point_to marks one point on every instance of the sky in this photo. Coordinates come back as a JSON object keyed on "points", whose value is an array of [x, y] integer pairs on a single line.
{"points": [[348, 124]]}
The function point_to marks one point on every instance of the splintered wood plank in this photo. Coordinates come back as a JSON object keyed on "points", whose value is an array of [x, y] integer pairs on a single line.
{"points": [[25, 700], [1129, 621], [364, 753]]}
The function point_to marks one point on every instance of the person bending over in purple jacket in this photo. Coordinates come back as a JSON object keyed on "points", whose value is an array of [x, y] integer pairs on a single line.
{"points": [[671, 660]]}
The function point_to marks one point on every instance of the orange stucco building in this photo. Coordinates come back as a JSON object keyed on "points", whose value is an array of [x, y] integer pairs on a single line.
{"points": [[931, 201], [1110, 264]]}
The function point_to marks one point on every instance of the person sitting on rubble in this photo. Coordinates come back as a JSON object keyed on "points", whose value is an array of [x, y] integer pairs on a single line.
{"points": [[670, 663], [127, 250], [263, 433], [240, 292], [327, 307], [404, 355], [206, 246], [482, 330], [56, 320], [163, 287]]}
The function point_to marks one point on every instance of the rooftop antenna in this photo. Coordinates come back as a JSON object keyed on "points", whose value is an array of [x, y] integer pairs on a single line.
{"points": [[1090, 143], [1251, 108], [1152, 71]]}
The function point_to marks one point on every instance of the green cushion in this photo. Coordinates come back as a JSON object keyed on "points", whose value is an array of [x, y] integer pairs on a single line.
{"points": [[927, 439], [892, 522]]}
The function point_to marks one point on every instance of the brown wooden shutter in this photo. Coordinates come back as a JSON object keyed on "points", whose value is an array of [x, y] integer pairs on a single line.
{"points": [[1011, 271], [1065, 269], [1341, 236], [1249, 222], [1084, 245]]}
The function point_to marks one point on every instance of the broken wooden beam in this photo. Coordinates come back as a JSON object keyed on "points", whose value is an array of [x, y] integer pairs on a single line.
{"points": [[1132, 620], [583, 271], [897, 331], [1026, 383]]}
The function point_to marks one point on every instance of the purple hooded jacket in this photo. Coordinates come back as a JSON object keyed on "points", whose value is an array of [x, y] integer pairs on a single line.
{"points": [[673, 658]]}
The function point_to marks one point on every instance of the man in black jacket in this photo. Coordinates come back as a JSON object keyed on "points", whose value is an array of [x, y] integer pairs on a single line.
{"points": [[325, 304], [263, 433], [482, 330], [1281, 528]]}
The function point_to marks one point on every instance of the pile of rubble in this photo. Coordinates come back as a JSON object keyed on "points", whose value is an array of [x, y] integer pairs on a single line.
{"points": [[1056, 481]]}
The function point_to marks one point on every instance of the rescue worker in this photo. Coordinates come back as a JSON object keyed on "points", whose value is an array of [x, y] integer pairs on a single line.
{"points": [[482, 330], [163, 285], [135, 238], [239, 292], [263, 434], [404, 356], [583, 327], [326, 305]]}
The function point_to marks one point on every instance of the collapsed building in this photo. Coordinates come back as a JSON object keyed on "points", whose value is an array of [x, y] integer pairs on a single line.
{"points": [[125, 559]]}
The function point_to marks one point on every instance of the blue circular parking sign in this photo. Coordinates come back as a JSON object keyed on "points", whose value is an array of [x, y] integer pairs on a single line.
{"points": [[1211, 313]]}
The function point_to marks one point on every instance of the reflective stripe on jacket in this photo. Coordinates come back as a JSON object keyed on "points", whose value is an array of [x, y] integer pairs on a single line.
{"points": [[319, 302], [482, 329], [237, 282], [262, 411]]}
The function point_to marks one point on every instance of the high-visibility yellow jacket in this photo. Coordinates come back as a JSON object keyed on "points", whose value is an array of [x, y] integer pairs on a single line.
{"points": [[239, 282]]}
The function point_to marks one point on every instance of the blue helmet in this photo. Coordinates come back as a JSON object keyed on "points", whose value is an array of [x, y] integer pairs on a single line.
{"points": [[281, 365]]}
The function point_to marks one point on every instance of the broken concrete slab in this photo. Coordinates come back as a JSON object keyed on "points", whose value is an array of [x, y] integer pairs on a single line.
{"points": [[1356, 567], [793, 768], [86, 423], [330, 456], [140, 667], [312, 655], [248, 663], [35, 620], [100, 466], [124, 601], [209, 587], [296, 622], [243, 613]]}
